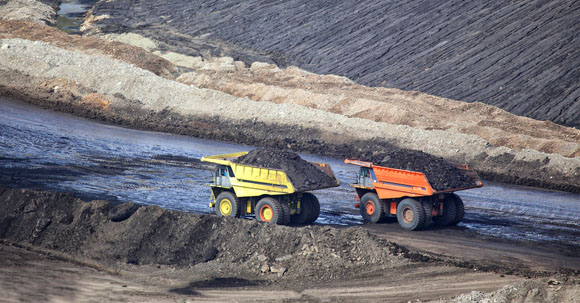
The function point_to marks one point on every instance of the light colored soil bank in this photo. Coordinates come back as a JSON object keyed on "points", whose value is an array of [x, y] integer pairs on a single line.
{"points": [[99, 86], [40, 12]]}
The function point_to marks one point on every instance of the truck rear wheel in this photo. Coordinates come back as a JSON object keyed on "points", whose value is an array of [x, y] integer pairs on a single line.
{"points": [[372, 209], [309, 210], [314, 207], [269, 210], [428, 208], [286, 210], [227, 205], [449, 212], [459, 209], [410, 214]]}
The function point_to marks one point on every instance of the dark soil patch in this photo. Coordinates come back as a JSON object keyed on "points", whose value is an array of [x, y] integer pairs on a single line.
{"points": [[152, 235], [303, 174], [260, 253]]}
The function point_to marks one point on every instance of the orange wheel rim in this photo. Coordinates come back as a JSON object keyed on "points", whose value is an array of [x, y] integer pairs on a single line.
{"points": [[266, 213], [370, 208]]}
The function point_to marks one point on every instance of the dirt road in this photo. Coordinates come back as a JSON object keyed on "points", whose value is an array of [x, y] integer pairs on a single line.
{"points": [[464, 248], [145, 259], [81, 283]]}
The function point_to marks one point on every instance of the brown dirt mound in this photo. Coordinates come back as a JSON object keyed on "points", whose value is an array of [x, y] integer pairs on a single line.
{"points": [[130, 54], [303, 174], [152, 235]]}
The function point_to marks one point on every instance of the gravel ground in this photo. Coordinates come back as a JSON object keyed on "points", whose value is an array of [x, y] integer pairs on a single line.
{"points": [[42, 12]]}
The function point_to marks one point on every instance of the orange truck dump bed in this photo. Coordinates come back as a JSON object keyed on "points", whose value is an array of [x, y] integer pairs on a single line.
{"points": [[389, 192]]}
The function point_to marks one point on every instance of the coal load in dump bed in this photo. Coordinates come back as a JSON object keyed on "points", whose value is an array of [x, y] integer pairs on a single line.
{"points": [[303, 174], [441, 174]]}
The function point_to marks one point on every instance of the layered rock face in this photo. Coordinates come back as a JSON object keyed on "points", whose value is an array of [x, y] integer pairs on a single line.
{"points": [[521, 56]]}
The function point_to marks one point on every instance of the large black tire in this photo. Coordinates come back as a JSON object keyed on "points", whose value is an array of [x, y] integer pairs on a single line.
{"points": [[449, 212], [309, 210], [459, 209], [372, 209], [227, 205], [314, 207], [303, 214], [410, 214], [286, 210], [123, 211], [428, 208], [269, 210]]}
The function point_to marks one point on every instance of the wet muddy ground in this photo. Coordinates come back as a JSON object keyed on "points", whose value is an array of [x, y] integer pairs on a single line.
{"points": [[48, 150], [71, 13]]}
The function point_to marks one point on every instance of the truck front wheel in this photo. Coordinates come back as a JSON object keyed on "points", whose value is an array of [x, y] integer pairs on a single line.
{"points": [[410, 214], [227, 205], [372, 209], [269, 210]]}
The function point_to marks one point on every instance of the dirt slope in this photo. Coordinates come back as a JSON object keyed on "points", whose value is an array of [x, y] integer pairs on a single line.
{"points": [[521, 56], [130, 54], [163, 255], [264, 82], [40, 12]]}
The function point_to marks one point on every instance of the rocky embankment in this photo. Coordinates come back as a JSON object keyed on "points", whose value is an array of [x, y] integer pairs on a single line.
{"points": [[127, 233], [118, 84], [521, 56]]}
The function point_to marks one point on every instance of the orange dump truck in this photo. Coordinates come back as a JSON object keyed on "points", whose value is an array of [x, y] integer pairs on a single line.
{"points": [[386, 192]]}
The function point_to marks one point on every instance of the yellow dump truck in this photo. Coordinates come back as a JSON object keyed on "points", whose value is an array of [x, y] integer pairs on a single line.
{"points": [[269, 194]]}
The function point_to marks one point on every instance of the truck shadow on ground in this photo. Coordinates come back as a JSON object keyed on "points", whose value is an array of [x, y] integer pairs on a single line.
{"points": [[215, 283]]}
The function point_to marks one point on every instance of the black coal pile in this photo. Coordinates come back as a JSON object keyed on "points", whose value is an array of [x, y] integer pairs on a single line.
{"points": [[303, 174], [441, 174]]}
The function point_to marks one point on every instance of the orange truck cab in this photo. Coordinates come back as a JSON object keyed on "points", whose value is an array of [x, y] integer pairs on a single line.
{"points": [[386, 192]]}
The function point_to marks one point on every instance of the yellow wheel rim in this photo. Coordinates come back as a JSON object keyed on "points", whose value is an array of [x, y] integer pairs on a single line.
{"points": [[226, 207], [267, 214]]}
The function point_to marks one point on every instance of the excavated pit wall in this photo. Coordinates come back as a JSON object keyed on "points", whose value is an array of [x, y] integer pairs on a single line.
{"points": [[116, 92], [521, 56]]}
